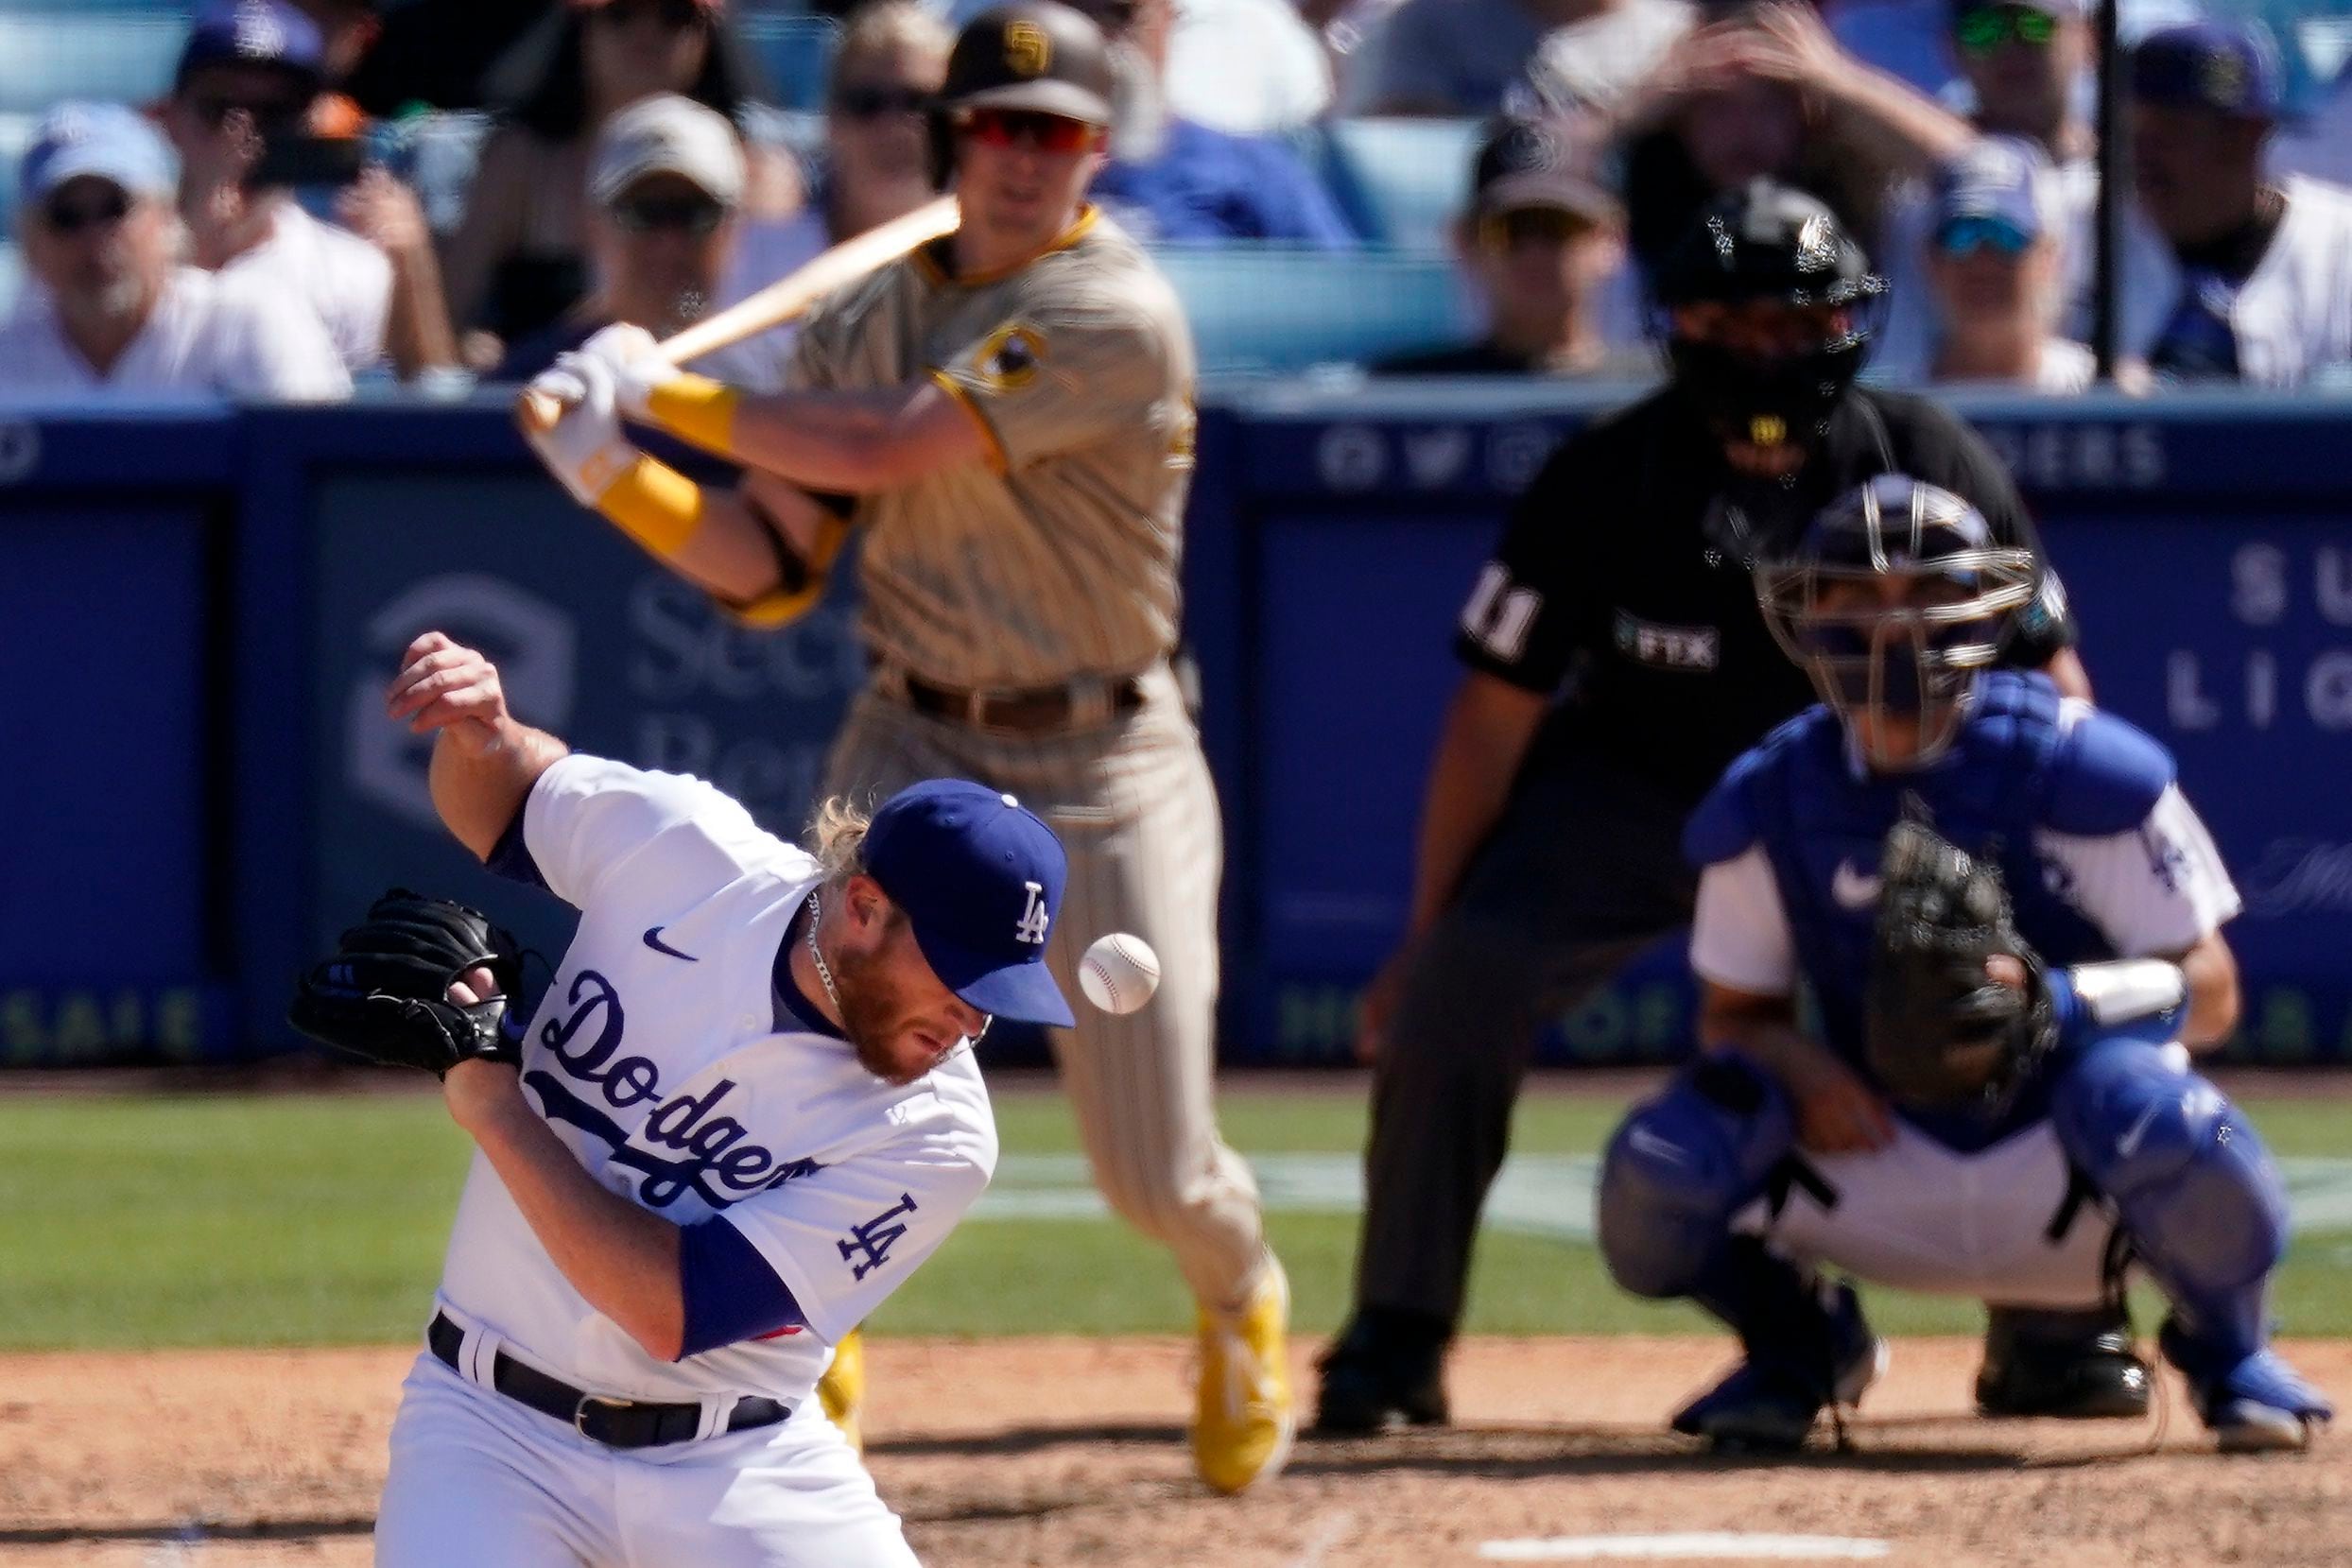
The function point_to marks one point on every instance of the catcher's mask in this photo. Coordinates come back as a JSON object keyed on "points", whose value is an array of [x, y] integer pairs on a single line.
{"points": [[1897, 595], [1767, 307]]}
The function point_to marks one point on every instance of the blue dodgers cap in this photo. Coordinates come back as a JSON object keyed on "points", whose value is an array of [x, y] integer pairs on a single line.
{"points": [[108, 141], [1998, 177], [256, 32], [980, 879], [2230, 67]]}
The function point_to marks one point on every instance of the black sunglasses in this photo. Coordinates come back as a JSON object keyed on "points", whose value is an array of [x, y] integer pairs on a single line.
{"points": [[70, 217], [683, 215], [872, 102]]}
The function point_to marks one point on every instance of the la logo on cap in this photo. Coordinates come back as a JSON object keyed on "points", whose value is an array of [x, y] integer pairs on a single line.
{"points": [[1034, 917]]}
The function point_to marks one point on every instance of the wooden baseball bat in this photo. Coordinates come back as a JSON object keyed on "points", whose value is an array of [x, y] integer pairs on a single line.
{"points": [[783, 301]]}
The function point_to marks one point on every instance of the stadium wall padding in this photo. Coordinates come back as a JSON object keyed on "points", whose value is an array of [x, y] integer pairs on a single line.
{"points": [[198, 606]]}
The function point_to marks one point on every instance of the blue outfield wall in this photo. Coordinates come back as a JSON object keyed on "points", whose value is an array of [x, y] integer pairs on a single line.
{"points": [[199, 608]]}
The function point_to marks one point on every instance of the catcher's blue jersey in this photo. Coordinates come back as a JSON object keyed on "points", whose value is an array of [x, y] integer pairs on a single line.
{"points": [[2027, 771]]}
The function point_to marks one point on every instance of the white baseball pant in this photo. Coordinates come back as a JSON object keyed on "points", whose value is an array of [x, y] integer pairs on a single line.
{"points": [[480, 1481]]}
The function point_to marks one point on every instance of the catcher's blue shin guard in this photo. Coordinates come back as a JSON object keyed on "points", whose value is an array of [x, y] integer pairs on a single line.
{"points": [[1680, 1167], [1676, 1172], [2206, 1215]]}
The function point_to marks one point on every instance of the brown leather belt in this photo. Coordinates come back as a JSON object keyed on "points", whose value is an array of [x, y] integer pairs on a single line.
{"points": [[1027, 710]]}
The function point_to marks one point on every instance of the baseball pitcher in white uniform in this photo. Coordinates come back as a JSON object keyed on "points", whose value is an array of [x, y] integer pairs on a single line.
{"points": [[744, 1112]]}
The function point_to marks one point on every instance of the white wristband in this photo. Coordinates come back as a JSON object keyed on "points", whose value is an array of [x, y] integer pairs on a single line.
{"points": [[2125, 989]]}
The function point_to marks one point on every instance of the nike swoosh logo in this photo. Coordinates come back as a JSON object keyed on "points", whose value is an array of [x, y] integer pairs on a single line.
{"points": [[1656, 1148], [653, 941], [1850, 888], [2128, 1145]]}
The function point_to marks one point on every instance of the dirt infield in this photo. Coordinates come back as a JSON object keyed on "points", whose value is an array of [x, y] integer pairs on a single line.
{"points": [[1063, 1452]]}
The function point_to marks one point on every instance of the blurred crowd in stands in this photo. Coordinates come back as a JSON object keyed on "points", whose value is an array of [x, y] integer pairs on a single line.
{"points": [[324, 194]]}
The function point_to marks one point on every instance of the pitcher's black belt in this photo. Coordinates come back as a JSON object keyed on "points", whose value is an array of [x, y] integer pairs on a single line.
{"points": [[1032, 710], [614, 1423]]}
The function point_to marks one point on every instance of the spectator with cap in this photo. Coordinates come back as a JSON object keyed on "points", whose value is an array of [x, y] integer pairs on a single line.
{"points": [[1170, 178], [107, 307], [2023, 63], [1541, 244], [1994, 275], [664, 200], [2232, 275], [875, 163], [249, 82], [518, 260]]}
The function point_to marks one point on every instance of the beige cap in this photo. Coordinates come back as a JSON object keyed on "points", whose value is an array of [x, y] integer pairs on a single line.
{"points": [[666, 134]]}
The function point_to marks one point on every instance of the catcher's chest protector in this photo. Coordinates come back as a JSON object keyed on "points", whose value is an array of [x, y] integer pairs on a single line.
{"points": [[1823, 828]]}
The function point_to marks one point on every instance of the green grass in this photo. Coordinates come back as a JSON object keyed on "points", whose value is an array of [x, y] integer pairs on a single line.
{"points": [[298, 1220]]}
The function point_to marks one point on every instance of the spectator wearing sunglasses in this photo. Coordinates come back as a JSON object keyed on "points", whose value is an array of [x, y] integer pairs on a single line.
{"points": [[1543, 246], [242, 111], [519, 260], [1173, 179], [664, 193], [107, 305], [1993, 272], [875, 161], [2232, 275]]}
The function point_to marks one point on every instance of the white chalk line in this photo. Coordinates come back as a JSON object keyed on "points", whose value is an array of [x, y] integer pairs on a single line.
{"points": [[1687, 1546], [1327, 1535]]}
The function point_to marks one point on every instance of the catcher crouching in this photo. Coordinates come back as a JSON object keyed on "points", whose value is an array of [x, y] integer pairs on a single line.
{"points": [[2010, 916]]}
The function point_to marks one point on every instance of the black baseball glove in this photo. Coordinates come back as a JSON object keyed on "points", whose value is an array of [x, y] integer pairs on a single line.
{"points": [[385, 994], [1937, 1030]]}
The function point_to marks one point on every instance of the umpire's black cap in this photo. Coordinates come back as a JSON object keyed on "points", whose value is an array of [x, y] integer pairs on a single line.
{"points": [[1032, 53]]}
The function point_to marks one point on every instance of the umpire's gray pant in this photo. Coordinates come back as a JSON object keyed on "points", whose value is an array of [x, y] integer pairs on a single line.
{"points": [[1135, 807]]}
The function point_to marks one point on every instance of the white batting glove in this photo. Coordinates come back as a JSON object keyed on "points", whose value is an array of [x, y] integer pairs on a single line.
{"points": [[636, 364], [585, 449]]}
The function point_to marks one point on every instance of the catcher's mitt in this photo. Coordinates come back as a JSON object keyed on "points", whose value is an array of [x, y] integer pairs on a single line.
{"points": [[385, 994], [1938, 1030]]}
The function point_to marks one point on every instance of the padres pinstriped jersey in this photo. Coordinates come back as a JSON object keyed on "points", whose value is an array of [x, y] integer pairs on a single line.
{"points": [[1057, 559]]}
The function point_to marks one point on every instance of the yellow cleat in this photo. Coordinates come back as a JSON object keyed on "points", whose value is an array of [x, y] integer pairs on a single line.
{"points": [[1242, 1426], [842, 1389]]}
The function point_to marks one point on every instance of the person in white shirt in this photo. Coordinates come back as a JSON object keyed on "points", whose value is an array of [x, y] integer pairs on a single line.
{"points": [[108, 308], [745, 1110], [240, 108], [1994, 271], [2228, 274]]}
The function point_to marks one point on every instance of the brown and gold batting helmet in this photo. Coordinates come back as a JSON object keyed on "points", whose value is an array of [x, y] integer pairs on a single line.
{"points": [[1032, 53]]}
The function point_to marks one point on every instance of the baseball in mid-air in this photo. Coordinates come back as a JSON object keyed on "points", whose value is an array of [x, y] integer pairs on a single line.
{"points": [[1119, 973]]}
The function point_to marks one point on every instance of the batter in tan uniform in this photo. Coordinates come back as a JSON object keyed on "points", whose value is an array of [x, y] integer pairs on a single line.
{"points": [[1005, 420]]}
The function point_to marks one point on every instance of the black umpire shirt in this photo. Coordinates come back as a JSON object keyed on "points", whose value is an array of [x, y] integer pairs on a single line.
{"points": [[1623, 579]]}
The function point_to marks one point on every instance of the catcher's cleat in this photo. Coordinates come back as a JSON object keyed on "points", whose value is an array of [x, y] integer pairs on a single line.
{"points": [[2253, 1404], [842, 1389], [1380, 1375], [1243, 1422], [2076, 1365], [1770, 1401]]}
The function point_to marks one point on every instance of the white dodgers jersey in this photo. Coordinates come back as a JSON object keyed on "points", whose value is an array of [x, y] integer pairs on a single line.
{"points": [[656, 1056]]}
